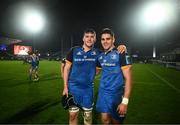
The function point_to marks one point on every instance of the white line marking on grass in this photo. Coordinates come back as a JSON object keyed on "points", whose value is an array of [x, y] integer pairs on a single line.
{"points": [[147, 83], [140, 82], [165, 81]]}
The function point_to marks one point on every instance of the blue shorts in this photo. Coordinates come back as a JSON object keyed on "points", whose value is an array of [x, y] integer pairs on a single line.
{"points": [[108, 103], [83, 97]]}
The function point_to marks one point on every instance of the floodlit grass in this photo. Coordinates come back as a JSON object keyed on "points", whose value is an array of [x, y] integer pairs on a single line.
{"points": [[155, 96]]}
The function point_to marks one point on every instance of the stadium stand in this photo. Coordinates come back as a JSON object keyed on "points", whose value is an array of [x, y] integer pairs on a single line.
{"points": [[171, 59]]}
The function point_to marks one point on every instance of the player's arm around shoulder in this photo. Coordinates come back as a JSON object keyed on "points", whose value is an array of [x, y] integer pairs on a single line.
{"points": [[122, 48]]}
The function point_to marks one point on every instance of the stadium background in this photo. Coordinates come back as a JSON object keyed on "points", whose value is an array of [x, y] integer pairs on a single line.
{"points": [[154, 100], [156, 90]]}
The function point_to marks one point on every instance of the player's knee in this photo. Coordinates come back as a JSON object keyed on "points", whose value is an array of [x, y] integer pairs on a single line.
{"points": [[105, 120], [87, 117], [73, 116]]}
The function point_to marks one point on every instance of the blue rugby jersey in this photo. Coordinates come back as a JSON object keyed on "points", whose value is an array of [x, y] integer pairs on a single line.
{"points": [[83, 69], [112, 76], [33, 61]]}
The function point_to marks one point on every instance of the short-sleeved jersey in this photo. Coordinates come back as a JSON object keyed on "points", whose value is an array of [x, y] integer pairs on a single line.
{"points": [[33, 60], [112, 76], [83, 67]]}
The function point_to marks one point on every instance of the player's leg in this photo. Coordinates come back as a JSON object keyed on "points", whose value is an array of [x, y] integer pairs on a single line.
{"points": [[116, 117], [30, 73], [87, 106], [117, 122], [104, 106], [105, 118], [33, 74], [73, 115], [87, 115], [36, 74]]}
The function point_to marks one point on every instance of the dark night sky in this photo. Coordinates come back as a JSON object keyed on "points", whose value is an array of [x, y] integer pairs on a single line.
{"points": [[66, 20]]}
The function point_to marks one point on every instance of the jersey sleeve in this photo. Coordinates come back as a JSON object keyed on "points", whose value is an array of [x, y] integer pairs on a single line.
{"points": [[125, 59], [69, 57]]}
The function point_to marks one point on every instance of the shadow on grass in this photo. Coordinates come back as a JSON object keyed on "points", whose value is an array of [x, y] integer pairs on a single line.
{"points": [[50, 76], [30, 111], [6, 79], [6, 82], [11, 82]]}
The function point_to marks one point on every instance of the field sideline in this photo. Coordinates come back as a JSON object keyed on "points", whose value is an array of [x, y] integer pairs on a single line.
{"points": [[155, 96]]}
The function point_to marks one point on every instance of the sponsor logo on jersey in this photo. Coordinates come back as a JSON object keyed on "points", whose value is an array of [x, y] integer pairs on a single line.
{"points": [[85, 59], [108, 64], [104, 60], [93, 53], [113, 56]]}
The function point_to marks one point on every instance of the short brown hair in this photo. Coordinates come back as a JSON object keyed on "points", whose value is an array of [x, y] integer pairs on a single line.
{"points": [[89, 30], [108, 31]]}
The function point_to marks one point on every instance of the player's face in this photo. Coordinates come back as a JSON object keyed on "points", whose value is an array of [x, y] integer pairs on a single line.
{"points": [[107, 41], [89, 39]]}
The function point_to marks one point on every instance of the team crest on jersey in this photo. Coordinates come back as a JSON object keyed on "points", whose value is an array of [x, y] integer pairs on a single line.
{"points": [[93, 53], [79, 53], [104, 61], [113, 56]]}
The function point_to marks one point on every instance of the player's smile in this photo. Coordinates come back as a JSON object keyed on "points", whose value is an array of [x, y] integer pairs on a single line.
{"points": [[107, 41]]}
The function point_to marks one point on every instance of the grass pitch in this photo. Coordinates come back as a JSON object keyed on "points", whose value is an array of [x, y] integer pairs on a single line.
{"points": [[155, 97]]}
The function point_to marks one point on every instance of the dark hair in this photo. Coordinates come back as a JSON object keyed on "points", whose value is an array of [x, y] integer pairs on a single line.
{"points": [[108, 31], [89, 30]]}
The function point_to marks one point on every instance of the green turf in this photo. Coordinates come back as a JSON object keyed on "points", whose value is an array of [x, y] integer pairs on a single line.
{"points": [[155, 96]]}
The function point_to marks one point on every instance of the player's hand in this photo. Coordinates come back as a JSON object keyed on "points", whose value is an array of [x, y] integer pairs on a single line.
{"points": [[121, 48], [65, 91], [122, 109]]}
